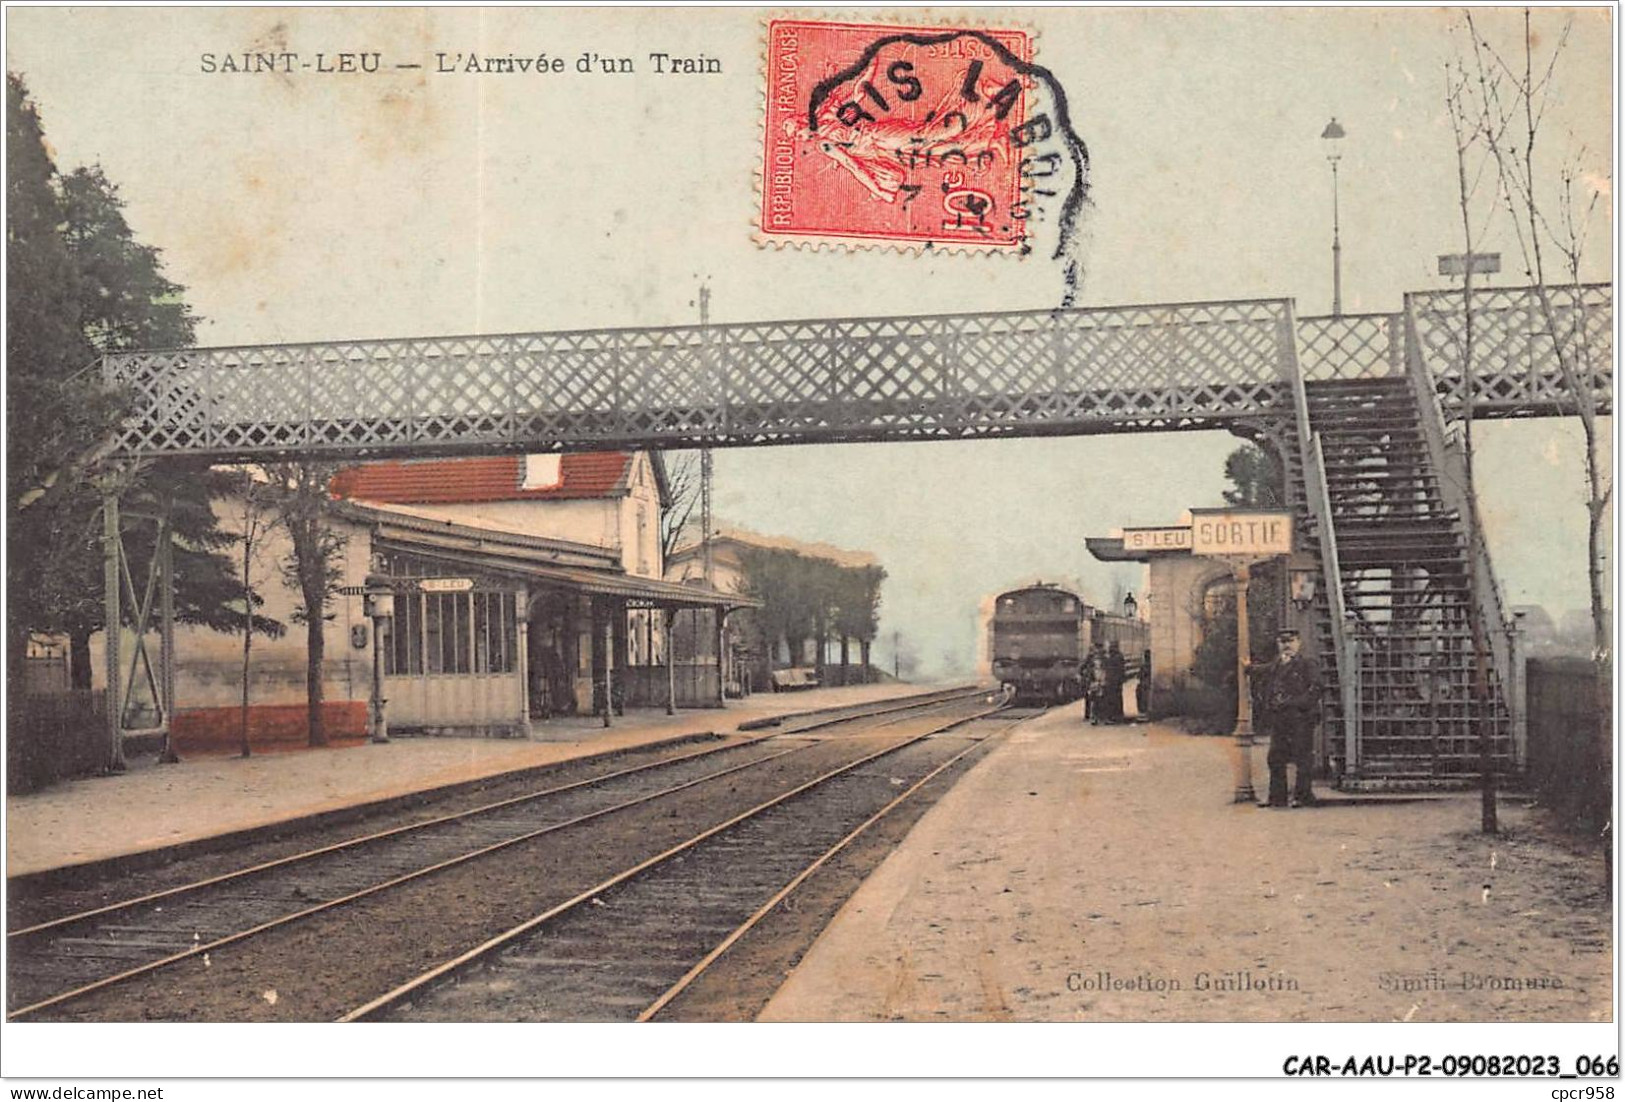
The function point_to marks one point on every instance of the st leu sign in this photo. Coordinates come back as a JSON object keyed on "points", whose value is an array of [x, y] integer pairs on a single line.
{"points": [[1174, 538]]}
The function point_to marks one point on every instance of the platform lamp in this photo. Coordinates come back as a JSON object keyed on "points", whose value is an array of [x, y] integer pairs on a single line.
{"points": [[380, 607], [1131, 607], [1332, 136], [1303, 585]]}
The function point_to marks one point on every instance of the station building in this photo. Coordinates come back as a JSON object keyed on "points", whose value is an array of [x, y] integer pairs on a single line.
{"points": [[523, 587], [1183, 596]]}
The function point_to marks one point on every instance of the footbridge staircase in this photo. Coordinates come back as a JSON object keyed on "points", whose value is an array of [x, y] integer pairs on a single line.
{"points": [[1411, 620], [1363, 410]]}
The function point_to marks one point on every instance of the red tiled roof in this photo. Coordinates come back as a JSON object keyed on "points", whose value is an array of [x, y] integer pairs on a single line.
{"points": [[493, 478]]}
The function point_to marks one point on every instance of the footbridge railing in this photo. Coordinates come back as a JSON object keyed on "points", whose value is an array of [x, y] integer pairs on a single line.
{"points": [[1516, 371], [1030, 373], [1188, 365]]}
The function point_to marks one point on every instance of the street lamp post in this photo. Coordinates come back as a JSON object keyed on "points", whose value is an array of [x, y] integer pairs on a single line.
{"points": [[1243, 760], [1332, 135]]}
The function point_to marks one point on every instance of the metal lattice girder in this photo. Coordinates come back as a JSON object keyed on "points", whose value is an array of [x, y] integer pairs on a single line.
{"points": [[1351, 346], [777, 382], [1193, 365], [1516, 372]]}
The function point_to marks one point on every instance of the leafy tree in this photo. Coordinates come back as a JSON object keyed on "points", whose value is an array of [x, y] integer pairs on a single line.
{"points": [[775, 577], [81, 285], [125, 301], [1256, 478], [857, 611], [302, 502], [1214, 660], [56, 409], [807, 599]]}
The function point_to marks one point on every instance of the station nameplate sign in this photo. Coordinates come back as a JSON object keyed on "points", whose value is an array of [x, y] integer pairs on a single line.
{"points": [[1253, 533], [445, 585], [1157, 539]]}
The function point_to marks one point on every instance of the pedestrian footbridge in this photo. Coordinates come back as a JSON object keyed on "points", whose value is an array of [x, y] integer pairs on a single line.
{"points": [[1364, 411]]}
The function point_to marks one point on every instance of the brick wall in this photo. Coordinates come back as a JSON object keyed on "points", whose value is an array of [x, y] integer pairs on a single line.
{"points": [[271, 727]]}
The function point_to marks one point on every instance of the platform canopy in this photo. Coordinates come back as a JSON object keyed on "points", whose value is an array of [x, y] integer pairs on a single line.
{"points": [[550, 562]]}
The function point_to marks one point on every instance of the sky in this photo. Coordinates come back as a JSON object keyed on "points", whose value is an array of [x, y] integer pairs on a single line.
{"points": [[304, 206]]}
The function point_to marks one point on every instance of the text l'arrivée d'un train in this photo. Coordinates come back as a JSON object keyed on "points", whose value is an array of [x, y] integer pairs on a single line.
{"points": [[287, 62]]}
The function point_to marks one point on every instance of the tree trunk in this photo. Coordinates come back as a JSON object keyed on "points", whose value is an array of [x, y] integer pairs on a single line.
{"points": [[78, 661], [863, 650], [845, 659], [248, 621], [248, 637], [315, 647]]}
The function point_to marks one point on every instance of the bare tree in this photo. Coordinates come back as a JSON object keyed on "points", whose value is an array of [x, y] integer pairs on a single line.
{"points": [[683, 480], [256, 517], [1513, 100], [1504, 97], [1473, 160]]}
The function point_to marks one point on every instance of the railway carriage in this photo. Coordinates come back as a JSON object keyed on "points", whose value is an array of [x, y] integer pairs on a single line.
{"points": [[1041, 635]]}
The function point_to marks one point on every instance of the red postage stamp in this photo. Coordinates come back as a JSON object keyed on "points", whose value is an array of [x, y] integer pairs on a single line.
{"points": [[878, 133]]}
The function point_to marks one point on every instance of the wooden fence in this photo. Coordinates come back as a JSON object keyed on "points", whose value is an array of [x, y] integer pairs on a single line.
{"points": [[52, 736], [1571, 759]]}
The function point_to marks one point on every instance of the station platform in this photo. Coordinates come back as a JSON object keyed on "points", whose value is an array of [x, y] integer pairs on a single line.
{"points": [[1084, 873], [154, 806]]}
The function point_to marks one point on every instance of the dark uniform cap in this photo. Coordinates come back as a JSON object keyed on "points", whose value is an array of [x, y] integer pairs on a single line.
{"points": [[1287, 633]]}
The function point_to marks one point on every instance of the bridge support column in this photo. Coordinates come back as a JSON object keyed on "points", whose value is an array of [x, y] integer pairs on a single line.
{"points": [[671, 662], [521, 617], [722, 660], [609, 659], [166, 634], [113, 626]]}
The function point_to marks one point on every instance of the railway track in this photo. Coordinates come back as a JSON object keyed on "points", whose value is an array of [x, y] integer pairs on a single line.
{"points": [[625, 948], [54, 964]]}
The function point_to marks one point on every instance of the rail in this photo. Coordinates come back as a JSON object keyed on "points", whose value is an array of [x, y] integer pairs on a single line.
{"points": [[419, 985]]}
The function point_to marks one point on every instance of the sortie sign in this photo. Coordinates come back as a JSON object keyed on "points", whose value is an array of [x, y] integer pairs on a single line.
{"points": [[1253, 532]]}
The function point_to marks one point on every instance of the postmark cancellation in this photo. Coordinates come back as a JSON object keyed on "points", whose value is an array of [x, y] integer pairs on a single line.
{"points": [[909, 136]]}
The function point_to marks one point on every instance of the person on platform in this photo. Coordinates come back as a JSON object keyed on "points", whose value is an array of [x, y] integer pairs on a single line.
{"points": [[1290, 695], [1142, 687], [1094, 681], [1116, 674]]}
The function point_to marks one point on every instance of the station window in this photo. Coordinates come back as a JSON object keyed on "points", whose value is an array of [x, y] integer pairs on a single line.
{"points": [[453, 633]]}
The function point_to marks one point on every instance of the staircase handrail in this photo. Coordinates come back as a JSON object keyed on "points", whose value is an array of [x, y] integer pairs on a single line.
{"points": [[1343, 637], [1313, 462], [1447, 449], [1328, 540]]}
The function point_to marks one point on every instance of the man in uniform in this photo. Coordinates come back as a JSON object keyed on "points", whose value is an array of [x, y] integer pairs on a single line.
{"points": [[1291, 697], [1094, 678], [1116, 674]]}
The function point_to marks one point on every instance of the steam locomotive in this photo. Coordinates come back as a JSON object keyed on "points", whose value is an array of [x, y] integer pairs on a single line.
{"points": [[1041, 635]]}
